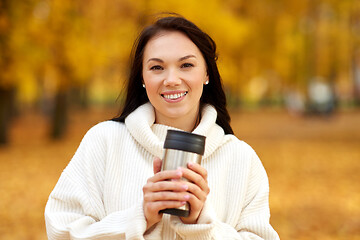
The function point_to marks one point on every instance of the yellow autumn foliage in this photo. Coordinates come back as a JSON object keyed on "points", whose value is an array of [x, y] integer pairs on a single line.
{"points": [[86, 40]]}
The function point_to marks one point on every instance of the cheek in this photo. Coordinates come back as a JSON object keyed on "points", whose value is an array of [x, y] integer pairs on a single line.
{"points": [[148, 80], [199, 81], [145, 76], [151, 78], [151, 90], [198, 88], [151, 87]]}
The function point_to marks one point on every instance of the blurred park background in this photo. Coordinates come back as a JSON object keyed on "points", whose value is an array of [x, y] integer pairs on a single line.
{"points": [[291, 70]]}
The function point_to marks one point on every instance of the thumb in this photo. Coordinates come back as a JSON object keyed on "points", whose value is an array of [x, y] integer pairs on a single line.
{"points": [[157, 165]]}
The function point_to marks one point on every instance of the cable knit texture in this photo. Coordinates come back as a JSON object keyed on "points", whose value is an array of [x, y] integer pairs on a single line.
{"points": [[99, 194]]}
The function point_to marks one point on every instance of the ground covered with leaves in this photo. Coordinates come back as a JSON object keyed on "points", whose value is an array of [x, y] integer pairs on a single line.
{"points": [[313, 165]]}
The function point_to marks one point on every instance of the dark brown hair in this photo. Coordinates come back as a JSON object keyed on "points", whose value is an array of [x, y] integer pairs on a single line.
{"points": [[213, 93]]}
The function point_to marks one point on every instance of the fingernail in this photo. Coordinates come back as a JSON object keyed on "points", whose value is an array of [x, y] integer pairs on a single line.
{"points": [[182, 203], [185, 187], [186, 197], [190, 164]]}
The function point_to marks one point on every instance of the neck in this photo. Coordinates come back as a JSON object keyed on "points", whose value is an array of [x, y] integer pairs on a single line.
{"points": [[185, 123]]}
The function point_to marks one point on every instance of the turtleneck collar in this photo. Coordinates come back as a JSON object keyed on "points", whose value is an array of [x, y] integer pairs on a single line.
{"points": [[151, 136]]}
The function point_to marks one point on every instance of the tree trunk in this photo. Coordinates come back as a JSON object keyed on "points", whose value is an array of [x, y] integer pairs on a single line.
{"points": [[6, 104], [59, 116], [356, 76], [78, 96]]}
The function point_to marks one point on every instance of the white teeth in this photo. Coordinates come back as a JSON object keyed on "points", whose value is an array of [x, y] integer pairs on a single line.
{"points": [[174, 96]]}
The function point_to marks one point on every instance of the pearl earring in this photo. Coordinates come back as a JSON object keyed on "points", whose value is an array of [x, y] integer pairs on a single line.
{"points": [[207, 82], [143, 85]]}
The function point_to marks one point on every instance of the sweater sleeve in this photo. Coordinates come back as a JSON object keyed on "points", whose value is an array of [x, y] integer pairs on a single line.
{"points": [[75, 208], [253, 221]]}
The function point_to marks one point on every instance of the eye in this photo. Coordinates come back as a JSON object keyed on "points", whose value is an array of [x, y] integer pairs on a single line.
{"points": [[156, 67], [187, 65]]}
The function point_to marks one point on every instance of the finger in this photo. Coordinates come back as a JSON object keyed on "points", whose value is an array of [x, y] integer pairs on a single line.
{"points": [[151, 210], [157, 165], [195, 178], [176, 186], [196, 191], [166, 175], [155, 207], [198, 169], [166, 196], [195, 204], [195, 210]]}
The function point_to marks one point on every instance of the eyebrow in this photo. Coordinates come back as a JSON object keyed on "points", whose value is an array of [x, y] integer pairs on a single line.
{"points": [[180, 59], [186, 57]]}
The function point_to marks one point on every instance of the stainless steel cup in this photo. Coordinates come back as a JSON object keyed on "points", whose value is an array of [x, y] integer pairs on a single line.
{"points": [[180, 149]]}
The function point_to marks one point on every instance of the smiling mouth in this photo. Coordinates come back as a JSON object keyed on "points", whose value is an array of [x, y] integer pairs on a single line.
{"points": [[174, 96]]}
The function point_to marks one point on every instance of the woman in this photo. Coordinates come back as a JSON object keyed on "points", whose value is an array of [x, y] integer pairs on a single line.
{"points": [[113, 187]]}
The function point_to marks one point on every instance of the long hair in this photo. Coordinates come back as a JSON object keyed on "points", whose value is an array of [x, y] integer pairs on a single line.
{"points": [[213, 93]]}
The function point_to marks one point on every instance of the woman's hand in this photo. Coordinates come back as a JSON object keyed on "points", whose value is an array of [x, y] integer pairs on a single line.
{"points": [[160, 193], [198, 189]]}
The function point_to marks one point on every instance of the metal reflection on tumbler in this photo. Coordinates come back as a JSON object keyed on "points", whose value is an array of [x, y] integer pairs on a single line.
{"points": [[180, 149]]}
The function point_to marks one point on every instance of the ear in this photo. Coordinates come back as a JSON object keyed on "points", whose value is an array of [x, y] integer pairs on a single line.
{"points": [[206, 80]]}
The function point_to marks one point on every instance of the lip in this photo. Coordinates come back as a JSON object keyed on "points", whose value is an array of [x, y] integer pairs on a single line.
{"points": [[174, 100]]}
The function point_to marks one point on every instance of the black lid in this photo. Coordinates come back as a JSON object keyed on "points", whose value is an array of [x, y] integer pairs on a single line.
{"points": [[185, 141]]}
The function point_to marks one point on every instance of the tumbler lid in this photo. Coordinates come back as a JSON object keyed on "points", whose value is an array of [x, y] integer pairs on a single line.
{"points": [[185, 141]]}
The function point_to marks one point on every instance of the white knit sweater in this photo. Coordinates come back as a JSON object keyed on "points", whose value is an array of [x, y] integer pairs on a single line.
{"points": [[99, 194]]}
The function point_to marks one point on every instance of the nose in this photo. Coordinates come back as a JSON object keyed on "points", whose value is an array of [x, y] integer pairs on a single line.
{"points": [[172, 78]]}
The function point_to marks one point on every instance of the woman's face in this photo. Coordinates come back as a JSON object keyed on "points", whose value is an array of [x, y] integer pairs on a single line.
{"points": [[174, 72]]}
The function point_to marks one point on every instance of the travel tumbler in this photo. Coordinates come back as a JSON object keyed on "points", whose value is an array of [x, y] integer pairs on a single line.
{"points": [[180, 149]]}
